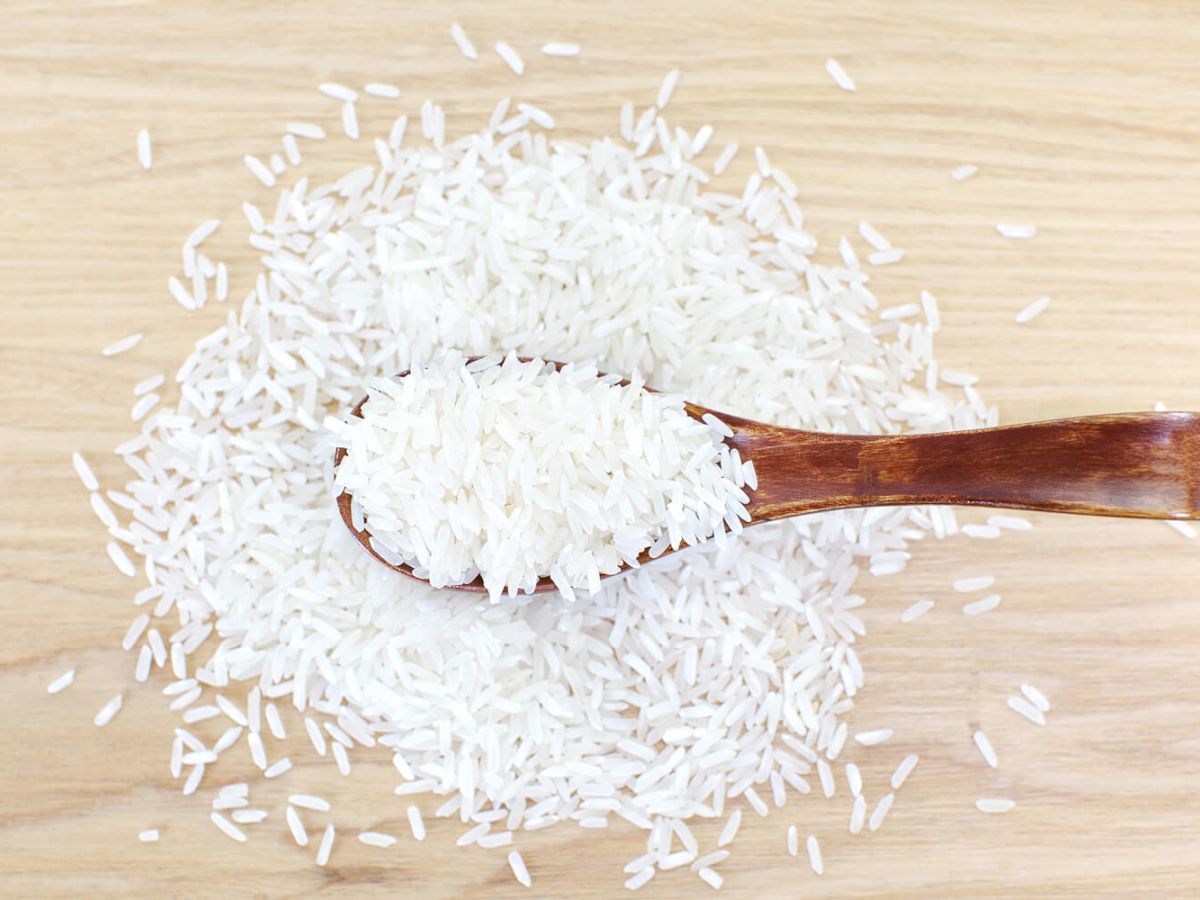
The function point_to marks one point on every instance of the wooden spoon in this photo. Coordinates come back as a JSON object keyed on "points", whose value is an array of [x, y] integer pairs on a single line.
{"points": [[1139, 465]]}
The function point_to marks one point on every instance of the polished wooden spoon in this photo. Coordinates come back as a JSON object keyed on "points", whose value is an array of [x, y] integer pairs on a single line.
{"points": [[1140, 465]]}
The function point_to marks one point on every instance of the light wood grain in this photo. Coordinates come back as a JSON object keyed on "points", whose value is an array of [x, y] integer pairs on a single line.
{"points": [[1081, 117]]}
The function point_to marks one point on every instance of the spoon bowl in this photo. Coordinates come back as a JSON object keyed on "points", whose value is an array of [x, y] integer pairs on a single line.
{"points": [[1138, 465]]}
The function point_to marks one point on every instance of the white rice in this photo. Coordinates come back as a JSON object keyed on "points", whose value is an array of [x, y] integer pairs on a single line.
{"points": [[62, 682], [644, 442], [125, 343], [730, 829], [1183, 528], [1036, 697], [135, 631], [885, 257], [471, 835], [149, 384], [879, 813], [793, 840], [1024, 708], [144, 150], [536, 115], [596, 254], [985, 749], [296, 827], [676, 860], [849, 257], [149, 836], [463, 42], [120, 560], [108, 710], [229, 802], [338, 91], [854, 779], [326, 846], [291, 149], [350, 121], [994, 805], [983, 605], [987, 532], [228, 827], [142, 671], [722, 162], [904, 770], [858, 814], [825, 775], [974, 583], [341, 758], [315, 736], [258, 170], [202, 232], [511, 58], [142, 406], [1020, 232], [667, 88], [376, 839], [962, 173], [304, 130], [838, 74], [278, 768], [415, 823], [104, 512], [379, 89], [84, 471], [308, 801], [248, 816], [872, 236], [258, 753], [933, 316], [180, 293], [198, 714], [756, 802], [814, 854], [639, 880], [872, 738], [711, 877], [1033, 310], [560, 49], [275, 722], [517, 864]]}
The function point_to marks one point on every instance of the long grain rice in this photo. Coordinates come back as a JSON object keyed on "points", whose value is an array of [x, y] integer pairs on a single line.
{"points": [[463, 42], [144, 150], [108, 710], [985, 749], [511, 58], [121, 346], [62, 682], [1033, 310], [838, 74]]}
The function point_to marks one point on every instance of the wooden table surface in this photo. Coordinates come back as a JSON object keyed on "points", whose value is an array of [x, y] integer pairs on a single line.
{"points": [[1083, 118]]}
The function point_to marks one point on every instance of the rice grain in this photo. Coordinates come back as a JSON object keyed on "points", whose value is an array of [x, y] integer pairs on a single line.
{"points": [[838, 74]]}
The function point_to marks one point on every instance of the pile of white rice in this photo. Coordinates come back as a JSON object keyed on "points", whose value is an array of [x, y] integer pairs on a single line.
{"points": [[515, 471], [718, 676]]}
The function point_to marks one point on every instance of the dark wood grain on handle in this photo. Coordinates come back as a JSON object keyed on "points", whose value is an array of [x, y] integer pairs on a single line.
{"points": [[1143, 465]]}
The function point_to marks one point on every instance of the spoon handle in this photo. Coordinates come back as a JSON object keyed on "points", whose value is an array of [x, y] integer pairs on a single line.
{"points": [[1144, 465]]}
